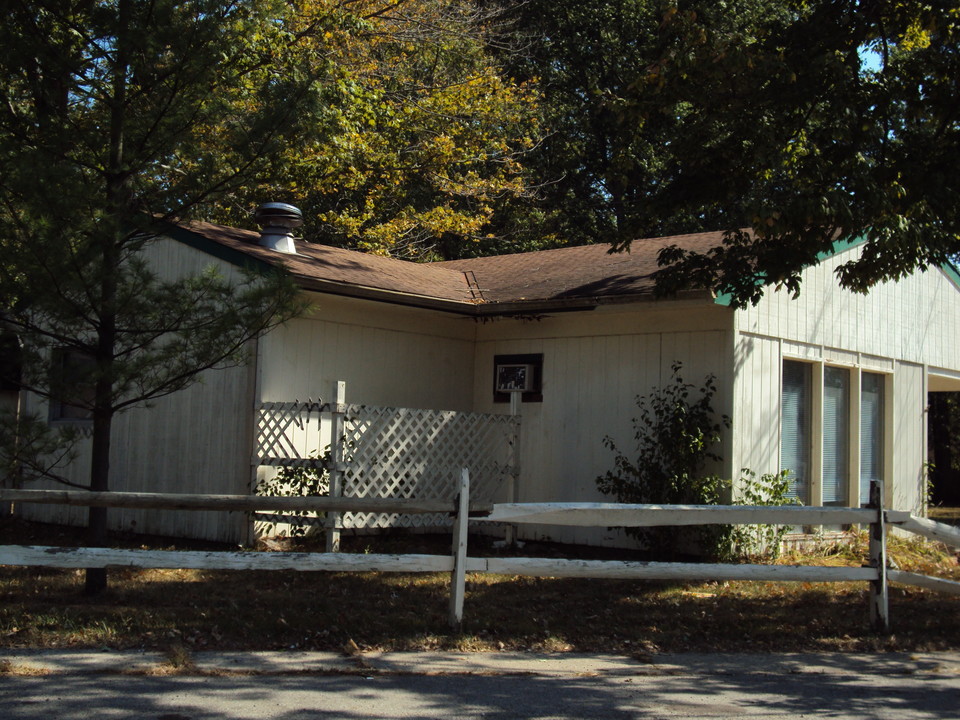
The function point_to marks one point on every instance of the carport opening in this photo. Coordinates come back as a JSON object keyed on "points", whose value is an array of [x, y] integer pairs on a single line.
{"points": [[943, 440]]}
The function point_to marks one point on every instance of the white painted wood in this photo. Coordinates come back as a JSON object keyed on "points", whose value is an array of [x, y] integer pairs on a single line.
{"points": [[458, 575], [905, 454], [244, 503], [333, 519], [897, 328], [913, 319], [388, 355], [648, 318], [627, 570], [59, 557], [879, 589], [591, 378], [623, 515], [201, 433], [755, 411], [925, 527], [925, 581]]}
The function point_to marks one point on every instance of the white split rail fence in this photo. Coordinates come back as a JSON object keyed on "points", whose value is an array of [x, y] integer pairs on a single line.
{"points": [[458, 563]]}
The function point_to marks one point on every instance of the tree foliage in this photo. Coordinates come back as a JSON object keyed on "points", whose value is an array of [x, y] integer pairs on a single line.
{"points": [[421, 135], [787, 124], [677, 435], [105, 122]]}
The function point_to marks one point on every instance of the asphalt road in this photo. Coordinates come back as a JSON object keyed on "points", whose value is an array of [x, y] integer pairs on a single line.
{"points": [[488, 686]]}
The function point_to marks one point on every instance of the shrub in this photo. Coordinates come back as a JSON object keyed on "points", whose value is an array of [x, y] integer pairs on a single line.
{"points": [[745, 541], [676, 434], [296, 482]]}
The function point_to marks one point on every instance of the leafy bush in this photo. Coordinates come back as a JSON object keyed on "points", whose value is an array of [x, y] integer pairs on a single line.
{"points": [[676, 434], [297, 482], [758, 540]]}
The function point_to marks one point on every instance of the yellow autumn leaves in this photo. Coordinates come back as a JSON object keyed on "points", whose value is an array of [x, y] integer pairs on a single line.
{"points": [[417, 135]]}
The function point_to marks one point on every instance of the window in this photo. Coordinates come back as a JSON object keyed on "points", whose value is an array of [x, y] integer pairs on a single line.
{"points": [[871, 432], [836, 436], [10, 362], [821, 443], [73, 386], [521, 371], [795, 427]]}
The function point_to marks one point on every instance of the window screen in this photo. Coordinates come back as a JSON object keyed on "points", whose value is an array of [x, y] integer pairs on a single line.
{"points": [[795, 427], [871, 432], [836, 435]]}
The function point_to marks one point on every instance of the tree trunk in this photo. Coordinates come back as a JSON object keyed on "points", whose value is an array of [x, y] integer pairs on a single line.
{"points": [[96, 578], [119, 203]]}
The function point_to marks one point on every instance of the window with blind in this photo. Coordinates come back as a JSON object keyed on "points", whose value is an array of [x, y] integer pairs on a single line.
{"points": [[836, 435], [871, 432], [73, 379], [795, 427]]}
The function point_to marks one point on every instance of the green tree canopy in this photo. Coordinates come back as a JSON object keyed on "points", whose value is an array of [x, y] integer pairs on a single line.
{"points": [[421, 136], [104, 134], [786, 124]]}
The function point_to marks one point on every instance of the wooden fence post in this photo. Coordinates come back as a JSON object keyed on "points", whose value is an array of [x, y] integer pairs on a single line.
{"points": [[334, 520], [458, 576], [513, 480], [879, 597]]}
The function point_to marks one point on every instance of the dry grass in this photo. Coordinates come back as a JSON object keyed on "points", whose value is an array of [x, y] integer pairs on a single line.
{"points": [[181, 611]]}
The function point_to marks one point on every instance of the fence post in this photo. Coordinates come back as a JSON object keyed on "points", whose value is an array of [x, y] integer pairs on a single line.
{"points": [[879, 597], [458, 576], [334, 520], [513, 480]]}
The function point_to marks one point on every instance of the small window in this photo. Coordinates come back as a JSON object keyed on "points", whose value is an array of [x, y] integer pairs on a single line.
{"points": [[518, 373], [73, 386], [871, 432], [10, 362], [795, 428], [836, 436]]}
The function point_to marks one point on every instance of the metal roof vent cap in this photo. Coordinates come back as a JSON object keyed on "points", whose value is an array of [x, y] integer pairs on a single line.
{"points": [[277, 221]]}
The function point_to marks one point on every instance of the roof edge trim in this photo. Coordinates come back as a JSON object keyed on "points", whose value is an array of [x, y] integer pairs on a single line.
{"points": [[210, 247], [839, 246]]}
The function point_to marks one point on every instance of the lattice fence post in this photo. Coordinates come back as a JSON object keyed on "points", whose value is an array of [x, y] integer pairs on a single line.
{"points": [[879, 597], [513, 479], [458, 578], [337, 439]]}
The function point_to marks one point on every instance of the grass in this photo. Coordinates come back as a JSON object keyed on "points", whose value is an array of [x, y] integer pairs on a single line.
{"points": [[180, 611]]}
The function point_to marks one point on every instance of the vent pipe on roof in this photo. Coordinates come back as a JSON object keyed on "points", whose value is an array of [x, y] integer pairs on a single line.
{"points": [[277, 221]]}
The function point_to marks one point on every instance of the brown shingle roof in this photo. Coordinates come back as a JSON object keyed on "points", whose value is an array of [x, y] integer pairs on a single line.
{"points": [[587, 271], [583, 275], [321, 264]]}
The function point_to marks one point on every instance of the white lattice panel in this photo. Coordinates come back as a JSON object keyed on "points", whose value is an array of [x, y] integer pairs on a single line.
{"points": [[393, 453], [292, 434], [407, 453]]}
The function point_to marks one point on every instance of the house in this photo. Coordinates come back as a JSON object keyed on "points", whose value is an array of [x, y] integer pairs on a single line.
{"points": [[832, 385]]}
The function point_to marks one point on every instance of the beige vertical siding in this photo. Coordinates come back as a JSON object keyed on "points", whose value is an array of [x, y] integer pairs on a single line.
{"points": [[756, 405], [897, 328], [594, 366], [196, 440], [915, 319], [909, 438], [387, 355]]}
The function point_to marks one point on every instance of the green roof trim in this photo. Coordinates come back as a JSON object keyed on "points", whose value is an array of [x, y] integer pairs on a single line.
{"points": [[726, 299], [950, 270], [221, 252]]}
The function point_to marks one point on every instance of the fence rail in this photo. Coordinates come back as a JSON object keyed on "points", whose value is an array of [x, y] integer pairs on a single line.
{"points": [[458, 563]]}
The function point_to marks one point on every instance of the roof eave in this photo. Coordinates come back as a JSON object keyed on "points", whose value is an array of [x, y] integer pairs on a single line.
{"points": [[523, 307], [490, 309]]}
